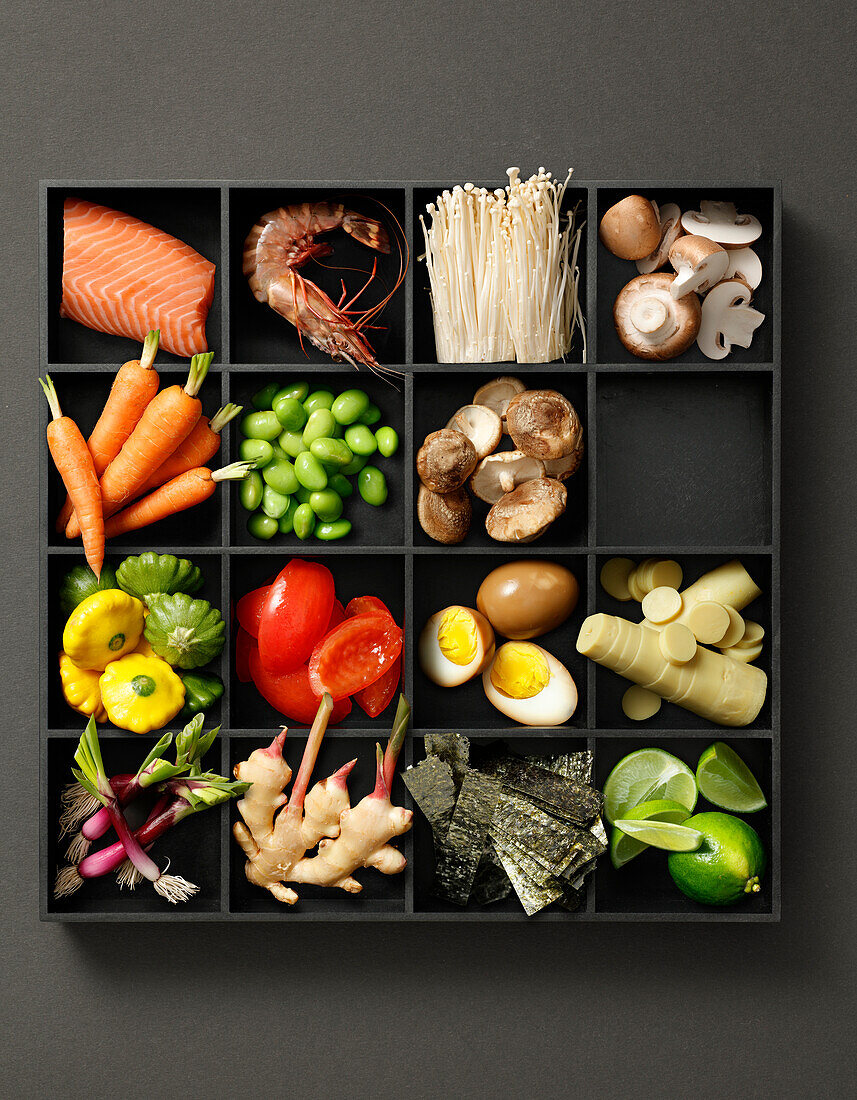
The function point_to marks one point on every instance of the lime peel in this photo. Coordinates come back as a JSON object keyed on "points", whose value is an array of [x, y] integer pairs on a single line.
{"points": [[725, 781]]}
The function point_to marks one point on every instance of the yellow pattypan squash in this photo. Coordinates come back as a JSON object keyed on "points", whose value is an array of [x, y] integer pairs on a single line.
{"points": [[141, 693], [143, 646], [80, 689], [102, 628]]}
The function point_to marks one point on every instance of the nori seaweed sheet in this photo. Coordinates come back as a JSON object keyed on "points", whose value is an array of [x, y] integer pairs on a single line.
{"points": [[458, 857], [491, 882], [453, 749], [431, 787], [561, 797], [576, 766], [544, 837], [531, 894]]}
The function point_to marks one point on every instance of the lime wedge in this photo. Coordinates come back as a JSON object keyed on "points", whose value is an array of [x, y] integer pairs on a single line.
{"points": [[726, 781], [645, 775], [624, 848], [662, 834]]}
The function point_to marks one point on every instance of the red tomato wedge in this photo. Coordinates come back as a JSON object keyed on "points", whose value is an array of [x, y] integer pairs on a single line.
{"points": [[366, 603], [295, 615], [249, 609], [290, 693], [377, 697], [244, 644], [357, 653], [336, 616]]}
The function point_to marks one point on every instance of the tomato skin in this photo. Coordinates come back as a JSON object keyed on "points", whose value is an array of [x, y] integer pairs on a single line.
{"points": [[337, 616], [290, 693], [244, 644], [361, 604], [375, 698], [355, 654], [295, 615], [249, 609]]}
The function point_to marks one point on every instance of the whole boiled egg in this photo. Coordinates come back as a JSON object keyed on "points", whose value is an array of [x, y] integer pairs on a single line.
{"points": [[529, 685], [455, 645]]}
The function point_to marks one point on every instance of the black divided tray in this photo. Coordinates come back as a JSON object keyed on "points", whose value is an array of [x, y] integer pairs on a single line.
{"points": [[682, 459]]}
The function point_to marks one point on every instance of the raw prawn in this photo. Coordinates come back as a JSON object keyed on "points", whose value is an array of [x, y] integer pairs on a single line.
{"points": [[284, 240]]}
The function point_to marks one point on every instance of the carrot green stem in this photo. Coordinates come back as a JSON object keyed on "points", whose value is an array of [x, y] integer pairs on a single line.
{"points": [[222, 417], [150, 348], [235, 471], [198, 370], [51, 395]]}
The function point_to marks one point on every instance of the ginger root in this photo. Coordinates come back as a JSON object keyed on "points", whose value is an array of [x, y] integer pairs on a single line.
{"points": [[348, 838]]}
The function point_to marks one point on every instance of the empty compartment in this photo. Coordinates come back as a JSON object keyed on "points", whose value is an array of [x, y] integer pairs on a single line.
{"points": [[82, 397], [614, 273], [684, 459], [372, 525], [192, 214], [192, 846], [439, 395], [610, 686], [260, 335], [643, 885], [508, 908], [380, 894], [442, 581], [424, 342], [60, 715], [381, 575]]}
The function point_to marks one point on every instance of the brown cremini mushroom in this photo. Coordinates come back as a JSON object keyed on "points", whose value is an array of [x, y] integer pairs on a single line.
{"points": [[650, 323], [482, 426], [669, 217], [445, 517], [544, 424], [446, 460], [631, 229], [698, 263], [497, 394], [721, 222], [501, 473], [527, 512]]}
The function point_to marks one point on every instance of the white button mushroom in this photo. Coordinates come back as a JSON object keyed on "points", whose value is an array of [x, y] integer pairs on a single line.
{"points": [[727, 319], [630, 229], [698, 263], [501, 473], [721, 222], [745, 265], [650, 323], [482, 426], [671, 229]]}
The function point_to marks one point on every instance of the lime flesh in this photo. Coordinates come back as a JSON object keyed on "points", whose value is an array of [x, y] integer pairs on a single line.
{"points": [[646, 775], [725, 780], [662, 834], [624, 848], [726, 867]]}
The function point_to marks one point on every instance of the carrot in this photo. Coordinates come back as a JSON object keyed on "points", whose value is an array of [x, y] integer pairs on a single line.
{"points": [[202, 444], [183, 492], [167, 421], [75, 466], [134, 386]]}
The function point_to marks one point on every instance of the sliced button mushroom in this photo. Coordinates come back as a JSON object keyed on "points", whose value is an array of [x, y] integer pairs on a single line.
{"points": [[544, 424], [721, 222], [698, 263], [745, 265], [527, 512], [630, 229], [650, 323], [727, 319], [497, 394], [446, 460], [482, 426], [669, 217], [501, 473], [445, 517]]}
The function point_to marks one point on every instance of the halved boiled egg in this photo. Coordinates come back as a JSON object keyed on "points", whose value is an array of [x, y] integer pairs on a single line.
{"points": [[529, 685], [455, 645]]}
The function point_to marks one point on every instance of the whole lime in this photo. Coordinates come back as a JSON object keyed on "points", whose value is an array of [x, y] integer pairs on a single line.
{"points": [[727, 865]]}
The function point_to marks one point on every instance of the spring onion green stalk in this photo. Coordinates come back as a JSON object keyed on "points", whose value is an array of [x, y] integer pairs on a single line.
{"points": [[503, 272]]}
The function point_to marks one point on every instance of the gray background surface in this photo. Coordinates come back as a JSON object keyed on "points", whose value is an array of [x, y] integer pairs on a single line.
{"points": [[459, 90]]}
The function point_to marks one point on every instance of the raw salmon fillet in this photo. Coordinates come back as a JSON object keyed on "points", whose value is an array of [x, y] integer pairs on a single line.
{"points": [[122, 276]]}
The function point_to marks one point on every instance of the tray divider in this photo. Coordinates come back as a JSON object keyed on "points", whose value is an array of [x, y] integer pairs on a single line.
{"points": [[591, 316], [223, 273]]}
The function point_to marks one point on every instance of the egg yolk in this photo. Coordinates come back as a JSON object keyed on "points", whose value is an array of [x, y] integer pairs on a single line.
{"points": [[456, 636], [520, 670]]}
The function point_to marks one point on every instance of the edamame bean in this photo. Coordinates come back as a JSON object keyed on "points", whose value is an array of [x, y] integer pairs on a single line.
{"points": [[332, 451], [321, 399], [250, 492], [304, 521], [310, 472], [263, 398], [287, 520], [327, 505], [340, 485], [350, 406], [355, 466], [372, 485], [279, 453], [388, 441], [274, 504], [338, 431], [297, 390], [259, 451], [261, 526], [320, 424], [280, 476], [291, 443], [290, 413], [361, 440], [261, 425], [371, 416], [327, 532], [302, 495]]}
